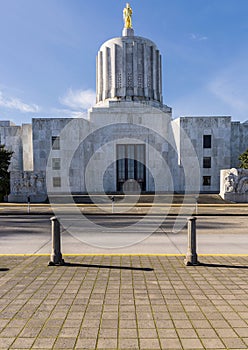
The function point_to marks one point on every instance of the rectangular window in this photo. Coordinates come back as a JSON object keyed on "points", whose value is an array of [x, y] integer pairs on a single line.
{"points": [[206, 162], [121, 154], [131, 165], [131, 162], [56, 163], [55, 142], [207, 141], [206, 180], [56, 181], [140, 154]]}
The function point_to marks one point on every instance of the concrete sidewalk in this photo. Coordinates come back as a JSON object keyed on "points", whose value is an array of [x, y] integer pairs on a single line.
{"points": [[123, 302]]}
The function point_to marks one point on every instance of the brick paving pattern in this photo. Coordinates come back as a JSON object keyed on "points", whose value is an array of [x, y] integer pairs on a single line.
{"points": [[123, 302]]}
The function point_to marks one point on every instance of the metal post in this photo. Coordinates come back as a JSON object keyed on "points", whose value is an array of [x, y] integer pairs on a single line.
{"points": [[56, 256], [196, 206], [191, 256], [113, 204], [28, 209]]}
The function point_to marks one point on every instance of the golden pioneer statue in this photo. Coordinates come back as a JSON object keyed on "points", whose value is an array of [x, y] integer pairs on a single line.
{"points": [[127, 15]]}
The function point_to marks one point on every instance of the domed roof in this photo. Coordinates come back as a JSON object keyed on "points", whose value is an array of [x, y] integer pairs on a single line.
{"points": [[129, 68]]}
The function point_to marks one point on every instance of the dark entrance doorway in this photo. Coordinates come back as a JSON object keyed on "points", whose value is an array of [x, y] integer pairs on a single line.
{"points": [[131, 169]]}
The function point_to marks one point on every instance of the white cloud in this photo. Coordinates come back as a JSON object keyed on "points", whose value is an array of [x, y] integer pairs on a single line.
{"points": [[225, 93], [230, 87], [67, 113], [78, 99], [17, 104], [197, 103], [197, 37]]}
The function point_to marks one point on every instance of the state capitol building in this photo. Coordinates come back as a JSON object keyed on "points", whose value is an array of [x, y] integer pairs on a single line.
{"points": [[129, 141]]}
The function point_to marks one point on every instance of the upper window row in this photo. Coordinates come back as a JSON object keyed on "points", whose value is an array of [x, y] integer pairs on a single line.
{"points": [[207, 141], [55, 142]]}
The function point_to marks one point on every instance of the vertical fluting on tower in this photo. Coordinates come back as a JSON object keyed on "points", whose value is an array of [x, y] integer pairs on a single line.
{"points": [[129, 68]]}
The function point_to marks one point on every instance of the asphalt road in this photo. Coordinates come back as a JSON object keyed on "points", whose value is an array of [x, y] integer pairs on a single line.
{"points": [[31, 234]]}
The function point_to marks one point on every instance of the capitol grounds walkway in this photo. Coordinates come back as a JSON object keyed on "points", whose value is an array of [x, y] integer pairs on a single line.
{"points": [[124, 301], [204, 204]]}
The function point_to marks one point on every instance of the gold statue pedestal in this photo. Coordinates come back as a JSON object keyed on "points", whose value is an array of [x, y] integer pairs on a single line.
{"points": [[128, 32]]}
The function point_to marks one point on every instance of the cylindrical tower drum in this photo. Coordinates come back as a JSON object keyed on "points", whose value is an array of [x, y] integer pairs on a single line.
{"points": [[129, 68]]}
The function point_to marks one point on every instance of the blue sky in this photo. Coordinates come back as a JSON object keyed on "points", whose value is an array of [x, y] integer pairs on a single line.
{"points": [[48, 50]]}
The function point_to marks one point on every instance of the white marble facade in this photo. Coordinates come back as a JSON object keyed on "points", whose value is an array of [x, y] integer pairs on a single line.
{"points": [[129, 137]]}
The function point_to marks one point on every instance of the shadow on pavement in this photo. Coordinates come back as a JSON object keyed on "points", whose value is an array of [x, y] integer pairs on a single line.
{"points": [[109, 267], [224, 266], [4, 269]]}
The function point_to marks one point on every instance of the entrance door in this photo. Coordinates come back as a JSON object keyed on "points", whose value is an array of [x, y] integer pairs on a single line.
{"points": [[131, 168]]}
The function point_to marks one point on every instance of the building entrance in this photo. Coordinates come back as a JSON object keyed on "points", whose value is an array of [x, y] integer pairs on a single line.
{"points": [[131, 169]]}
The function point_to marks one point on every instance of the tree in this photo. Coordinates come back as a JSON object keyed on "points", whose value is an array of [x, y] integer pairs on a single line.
{"points": [[5, 158], [244, 160]]}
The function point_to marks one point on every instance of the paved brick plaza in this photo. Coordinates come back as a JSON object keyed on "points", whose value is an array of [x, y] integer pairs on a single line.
{"points": [[124, 302]]}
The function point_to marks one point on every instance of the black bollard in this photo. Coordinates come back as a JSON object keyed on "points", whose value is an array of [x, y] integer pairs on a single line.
{"points": [[56, 256], [191, 256]]}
